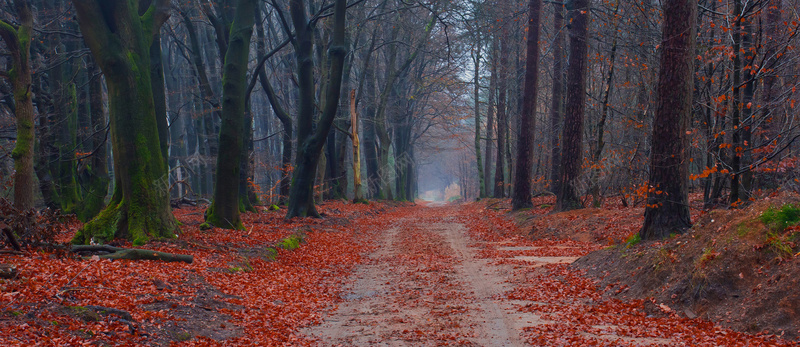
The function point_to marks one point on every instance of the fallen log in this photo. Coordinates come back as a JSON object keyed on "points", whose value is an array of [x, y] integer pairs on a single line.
{"points": [[110, 252]]}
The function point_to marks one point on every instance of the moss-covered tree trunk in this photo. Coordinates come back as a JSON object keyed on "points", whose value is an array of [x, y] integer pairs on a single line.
{"points": [[310, 141], [119, 39], [224, 210], [18, 43]]}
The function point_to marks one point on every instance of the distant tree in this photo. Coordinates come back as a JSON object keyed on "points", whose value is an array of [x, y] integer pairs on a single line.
{"points": [[522, 175], [119, 39], [667, 209], [18, 43]]}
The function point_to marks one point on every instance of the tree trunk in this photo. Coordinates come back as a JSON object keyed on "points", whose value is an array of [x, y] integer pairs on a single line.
{"points": [[224, 209], [18, 43], [120, 41], [568, 196], [490, 128], [502, 122], [557, 105], [522, 174], [667, 209], [476, 96], [310, 141], [357, 196]]}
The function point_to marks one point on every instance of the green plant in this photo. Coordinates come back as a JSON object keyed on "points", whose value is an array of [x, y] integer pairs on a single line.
{"points": [[291, 242], [781, 245], [780, 219], [633, 240]]}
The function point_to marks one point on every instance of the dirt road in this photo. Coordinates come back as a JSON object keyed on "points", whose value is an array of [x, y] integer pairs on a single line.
{"points": [[428, 283]]}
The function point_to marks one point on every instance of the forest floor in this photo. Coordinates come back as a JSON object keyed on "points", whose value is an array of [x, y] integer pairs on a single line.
{"points": [[379, 274]]}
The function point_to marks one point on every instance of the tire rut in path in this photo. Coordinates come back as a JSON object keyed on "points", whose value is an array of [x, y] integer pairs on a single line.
{"points": [[424, 285]]}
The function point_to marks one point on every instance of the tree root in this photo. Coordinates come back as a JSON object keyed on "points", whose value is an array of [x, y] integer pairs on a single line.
{"points": [[111, 252]]}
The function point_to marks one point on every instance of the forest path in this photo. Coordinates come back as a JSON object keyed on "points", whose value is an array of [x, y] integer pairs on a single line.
{"points": [[426, 284], [431, 283]]}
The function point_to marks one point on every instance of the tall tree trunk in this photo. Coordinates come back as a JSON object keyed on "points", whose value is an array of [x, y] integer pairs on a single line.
{"points": [[476, 60], [310, 140], [490, 128], [667, 209], [568, 197], [224, 209], [557, 105], [18, 44], [502, 122], [120, 42], [522, 174]]}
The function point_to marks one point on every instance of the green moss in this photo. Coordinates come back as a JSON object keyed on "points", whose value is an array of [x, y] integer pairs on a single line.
{"points": [[780, 219], [205, 226], [101, 229], [290, 243], [25, 137]]}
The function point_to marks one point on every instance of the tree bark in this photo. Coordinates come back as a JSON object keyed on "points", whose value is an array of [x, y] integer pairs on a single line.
{"points": [[311, 141], [224, 209], [568, 196], [18, 43], [120, 40], [522, 175], [502, 122], [557, 105], [667, 209], [357, 196], [476, 60], [490, 128]]}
